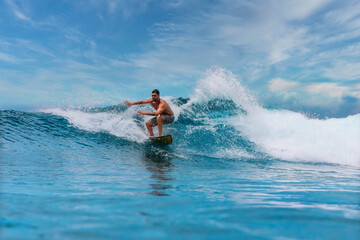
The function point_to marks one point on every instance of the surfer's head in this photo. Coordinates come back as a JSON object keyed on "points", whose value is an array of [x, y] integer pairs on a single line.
{"points": [[155, 94]]}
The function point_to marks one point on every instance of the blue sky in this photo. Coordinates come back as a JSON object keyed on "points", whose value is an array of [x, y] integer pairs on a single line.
{"points": [[301, 55]]}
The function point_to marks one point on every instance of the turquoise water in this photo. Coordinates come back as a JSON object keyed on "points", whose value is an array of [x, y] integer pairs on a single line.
{"points": [[235, 170]]}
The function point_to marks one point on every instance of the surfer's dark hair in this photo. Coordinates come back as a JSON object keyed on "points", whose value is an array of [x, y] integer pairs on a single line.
{"points": [[156, 91]]}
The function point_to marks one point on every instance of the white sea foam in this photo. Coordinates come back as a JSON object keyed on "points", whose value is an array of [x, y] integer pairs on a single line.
{"points": [[293, 136], [120, 124], [280, 133]]}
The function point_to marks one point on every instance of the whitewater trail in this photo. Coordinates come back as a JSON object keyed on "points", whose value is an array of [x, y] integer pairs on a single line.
{"points": [[122, 125]]}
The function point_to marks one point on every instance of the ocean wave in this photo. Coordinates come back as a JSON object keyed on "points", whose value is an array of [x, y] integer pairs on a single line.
{"points": [[221, 119]]}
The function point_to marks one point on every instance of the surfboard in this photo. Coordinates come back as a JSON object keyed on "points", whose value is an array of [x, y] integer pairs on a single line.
{"points": [[167, 140]]}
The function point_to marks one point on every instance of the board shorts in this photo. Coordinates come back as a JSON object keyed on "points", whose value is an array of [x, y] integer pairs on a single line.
{"points": [[167, 120]]}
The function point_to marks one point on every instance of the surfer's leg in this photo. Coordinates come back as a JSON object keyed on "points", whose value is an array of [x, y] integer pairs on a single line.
{"points": [[160, 118], [149, 127]]}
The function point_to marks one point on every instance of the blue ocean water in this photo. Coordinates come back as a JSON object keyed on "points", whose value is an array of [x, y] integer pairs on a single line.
{"points": [[235, 170]]}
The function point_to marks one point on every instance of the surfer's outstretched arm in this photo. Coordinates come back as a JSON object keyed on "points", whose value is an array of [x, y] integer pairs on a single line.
{"points": [[127, 103]]}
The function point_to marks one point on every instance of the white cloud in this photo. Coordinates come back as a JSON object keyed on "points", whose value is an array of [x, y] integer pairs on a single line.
{"points": [[354, 92], [333, 55], [294, 9], [17, 11], [278, 84], [5, 57], [32, 46], [8, 58], [174, 3], [282, 48], [123, 8], [22, 50], [222, 34], [345, 15], [340, 36], [72, 34], [21, 15], [330, 89], [127, 8], [313, 94], [268, 30], [339, 24], [343, 70]]}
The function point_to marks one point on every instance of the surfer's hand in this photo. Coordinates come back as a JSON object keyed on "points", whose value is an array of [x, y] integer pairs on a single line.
{"points": [[127, 103], [140, 113]]}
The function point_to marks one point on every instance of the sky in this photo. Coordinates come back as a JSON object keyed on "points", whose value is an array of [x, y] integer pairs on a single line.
{"points": [[300, 55]]}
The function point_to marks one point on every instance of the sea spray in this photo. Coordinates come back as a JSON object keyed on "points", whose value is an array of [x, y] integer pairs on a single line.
{"points": [[281, 133], [220, 83]]}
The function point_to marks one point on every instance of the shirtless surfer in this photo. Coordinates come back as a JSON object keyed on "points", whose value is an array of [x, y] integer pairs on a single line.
{"points": [[163, 114]]}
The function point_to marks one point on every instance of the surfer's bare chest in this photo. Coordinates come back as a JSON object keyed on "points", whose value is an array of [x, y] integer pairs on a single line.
{"points": [[155, 105]]}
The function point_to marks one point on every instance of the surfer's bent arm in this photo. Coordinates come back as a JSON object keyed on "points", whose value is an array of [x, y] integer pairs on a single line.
{"points": [[146, 113], [127, 103], [159, 111]]}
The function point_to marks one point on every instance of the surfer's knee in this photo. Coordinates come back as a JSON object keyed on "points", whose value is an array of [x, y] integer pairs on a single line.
{"points": [[148, 124]]}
